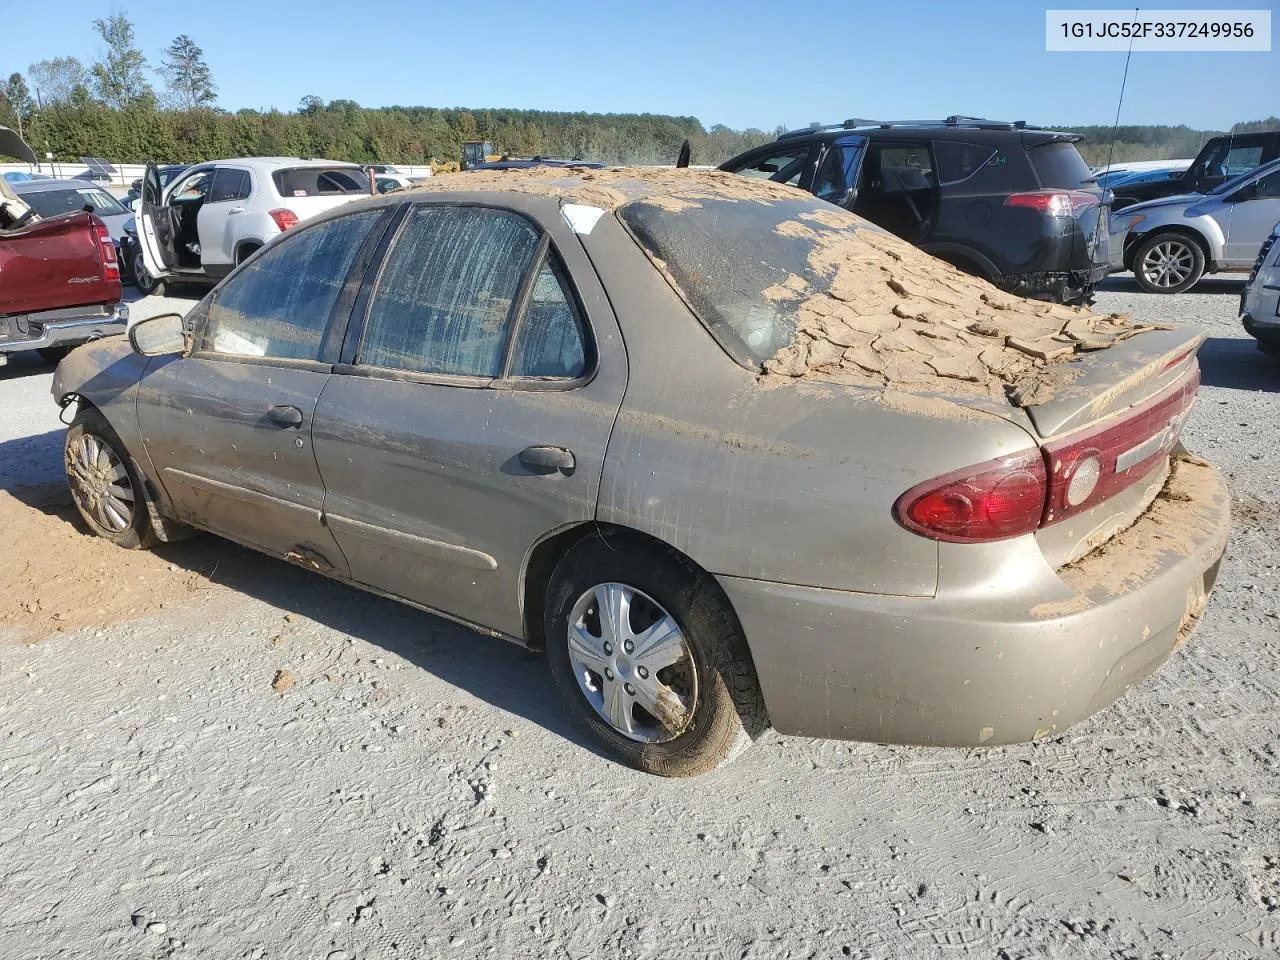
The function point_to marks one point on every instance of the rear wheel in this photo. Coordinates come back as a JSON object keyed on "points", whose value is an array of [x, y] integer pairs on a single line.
{"points": [[1168, 263], [107, 490], [143, 280], [649, 656]]}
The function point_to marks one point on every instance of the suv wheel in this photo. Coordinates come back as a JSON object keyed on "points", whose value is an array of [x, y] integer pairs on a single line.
{"points": [[1168, 263], [145, 283], [649, 656]]}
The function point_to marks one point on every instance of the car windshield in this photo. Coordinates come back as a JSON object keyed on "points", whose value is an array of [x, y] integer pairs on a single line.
{"points": [[740, 264], [52, 203], [320, 181]]}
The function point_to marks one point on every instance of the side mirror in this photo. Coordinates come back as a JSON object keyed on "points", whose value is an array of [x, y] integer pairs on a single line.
{"points": [[130, 203], [158, 336]]}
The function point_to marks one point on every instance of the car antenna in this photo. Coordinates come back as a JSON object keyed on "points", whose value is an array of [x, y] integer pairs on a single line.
{"points": [[1115, 127], [682, 161]]}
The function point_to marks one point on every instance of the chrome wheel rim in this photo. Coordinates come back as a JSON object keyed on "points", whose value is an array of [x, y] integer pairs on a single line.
{"points": [[100, 483], [141, 276], [632, 663], [1168, 263]]}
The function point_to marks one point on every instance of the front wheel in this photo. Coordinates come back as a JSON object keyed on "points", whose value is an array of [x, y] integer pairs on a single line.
{"points": [[648, 654], [143, 280], [1168, 263], [106, 488]]}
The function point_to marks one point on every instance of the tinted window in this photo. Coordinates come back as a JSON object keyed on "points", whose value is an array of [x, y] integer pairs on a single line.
{"points": [[1269, 186], [550, 341], [229, 184], [279, 304], [1059, 165], [320, 181], [444, 297], [785, 166], [836, 172], [960, 161]]}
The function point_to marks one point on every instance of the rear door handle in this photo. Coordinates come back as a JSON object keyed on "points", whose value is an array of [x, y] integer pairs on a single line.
{"points": [[285, 416], [546, 459]]}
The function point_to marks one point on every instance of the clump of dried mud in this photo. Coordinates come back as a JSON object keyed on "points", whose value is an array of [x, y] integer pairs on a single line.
{"points": [[56, 578], [890, 316]]}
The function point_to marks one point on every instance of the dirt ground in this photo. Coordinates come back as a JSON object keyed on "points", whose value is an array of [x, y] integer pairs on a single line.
{"points": [[274, 766]]}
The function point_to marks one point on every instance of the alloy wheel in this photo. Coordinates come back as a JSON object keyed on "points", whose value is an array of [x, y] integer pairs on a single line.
{"points": [[1168, 263], [632, 663], [141, 275], [100, 483]]}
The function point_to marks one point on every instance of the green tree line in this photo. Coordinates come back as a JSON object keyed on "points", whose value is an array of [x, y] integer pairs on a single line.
{"points": [[111, 109]]}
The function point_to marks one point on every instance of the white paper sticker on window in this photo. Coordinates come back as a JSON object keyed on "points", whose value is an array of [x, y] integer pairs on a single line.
{"points": [[580, 218]]}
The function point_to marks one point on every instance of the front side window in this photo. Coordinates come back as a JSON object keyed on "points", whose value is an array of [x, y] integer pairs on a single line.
{"points": [[781, 167], [444, 299], [279, 304], [551, 340], [194, 187], [838, 172], [1269, 186]]}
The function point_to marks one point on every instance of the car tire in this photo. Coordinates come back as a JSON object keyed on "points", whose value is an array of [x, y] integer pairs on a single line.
{"points": [[106, 487], [53, 355], [700, 676], [1168, 263], [142, 279]]}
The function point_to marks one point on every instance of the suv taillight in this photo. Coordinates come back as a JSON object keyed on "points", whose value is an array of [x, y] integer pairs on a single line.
{"points": [[1056, 203], [284, 218], [106, 251], [995, 500]]}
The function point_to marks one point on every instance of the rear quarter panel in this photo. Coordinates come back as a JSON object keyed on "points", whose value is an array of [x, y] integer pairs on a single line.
{"points": [[792, 484]]}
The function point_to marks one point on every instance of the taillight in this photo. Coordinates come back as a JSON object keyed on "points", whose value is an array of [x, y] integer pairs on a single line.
{"points": [[1056, 203], [995, 500], [1088, 467], [106, 251], [284, 218]]}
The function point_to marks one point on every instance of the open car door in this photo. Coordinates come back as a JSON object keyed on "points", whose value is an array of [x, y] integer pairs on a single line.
{"points": [[155, 227]]}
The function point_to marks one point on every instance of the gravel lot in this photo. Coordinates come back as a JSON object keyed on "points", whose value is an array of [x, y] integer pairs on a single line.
{"points": [[277, 766]]}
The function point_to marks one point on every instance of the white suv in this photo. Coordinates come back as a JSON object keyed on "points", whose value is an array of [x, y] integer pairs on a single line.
{"points": [[204, 223]]}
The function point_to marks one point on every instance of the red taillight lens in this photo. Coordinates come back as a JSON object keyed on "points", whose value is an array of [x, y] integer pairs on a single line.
{"points": [[1088, 467], [1056, 203], [995, 500], [284, 218], [106, 251]]}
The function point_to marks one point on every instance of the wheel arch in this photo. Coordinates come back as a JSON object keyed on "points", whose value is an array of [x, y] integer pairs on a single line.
{"points": [[964, 258], [246, 248]]}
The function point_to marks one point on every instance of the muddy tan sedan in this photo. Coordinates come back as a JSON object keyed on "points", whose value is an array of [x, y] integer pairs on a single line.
{"points": [[733, 458]]}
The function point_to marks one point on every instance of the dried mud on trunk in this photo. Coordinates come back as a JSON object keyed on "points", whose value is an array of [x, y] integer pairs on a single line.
{"points": [[57, 578], [892, 317]]}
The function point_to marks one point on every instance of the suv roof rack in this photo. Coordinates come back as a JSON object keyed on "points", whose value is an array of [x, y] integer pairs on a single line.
{"points": [[955, 120]]}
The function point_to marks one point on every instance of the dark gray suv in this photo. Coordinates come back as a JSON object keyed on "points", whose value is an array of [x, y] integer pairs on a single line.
{"points": [[1014, 204]]}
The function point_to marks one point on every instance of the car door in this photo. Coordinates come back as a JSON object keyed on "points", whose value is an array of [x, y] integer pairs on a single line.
{"points": [[227, 425], [155, 226], [836, 176], [484, 376], [218, 216], [1252, 213]]}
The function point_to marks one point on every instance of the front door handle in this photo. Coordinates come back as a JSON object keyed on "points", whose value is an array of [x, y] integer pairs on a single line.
{"points": [[236, 210], [285, 416], [546, 459]]}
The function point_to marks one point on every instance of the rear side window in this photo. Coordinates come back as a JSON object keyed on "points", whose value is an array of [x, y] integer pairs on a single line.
{"points": [[958, 161], [1059, 165], [320, 181], [229, 184], [279, 304], [550, 342], [444, 300]]}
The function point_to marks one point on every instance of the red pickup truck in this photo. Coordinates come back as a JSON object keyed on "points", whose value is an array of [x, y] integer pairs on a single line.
{"points": [[59, 278]]}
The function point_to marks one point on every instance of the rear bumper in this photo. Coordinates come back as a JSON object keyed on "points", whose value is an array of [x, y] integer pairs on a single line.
{"points": [[53, 328], [1063, 286], [975, 668]]}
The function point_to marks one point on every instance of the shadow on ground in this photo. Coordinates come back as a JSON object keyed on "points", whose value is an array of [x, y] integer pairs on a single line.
{"points": [[496, 671], [1238, 364], [25, 363], [1124, 283]]}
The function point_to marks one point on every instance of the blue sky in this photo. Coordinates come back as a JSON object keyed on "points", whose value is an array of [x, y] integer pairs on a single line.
{"points": [[745, 63]]}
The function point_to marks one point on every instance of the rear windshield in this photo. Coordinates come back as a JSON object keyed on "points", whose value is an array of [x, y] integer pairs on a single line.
{"points": [[735, 262], [52, 203], [1060, 165], [320, 181]]}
